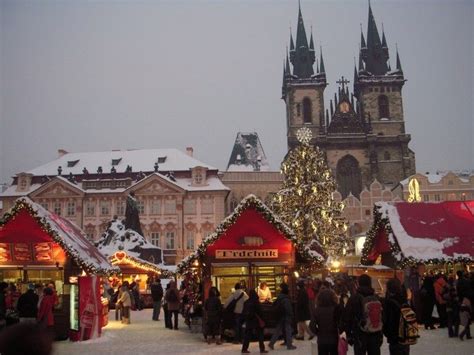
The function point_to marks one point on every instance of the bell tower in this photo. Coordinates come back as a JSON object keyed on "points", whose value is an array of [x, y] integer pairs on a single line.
{"points": [[302, 88]]}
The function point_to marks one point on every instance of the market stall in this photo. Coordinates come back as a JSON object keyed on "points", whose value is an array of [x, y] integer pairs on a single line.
{"points": [[406, 234], [138, 259], [40, 247], [250, 246]]}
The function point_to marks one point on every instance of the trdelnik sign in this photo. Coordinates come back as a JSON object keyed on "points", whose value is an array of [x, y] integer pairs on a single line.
{"points": [[247, 254]]}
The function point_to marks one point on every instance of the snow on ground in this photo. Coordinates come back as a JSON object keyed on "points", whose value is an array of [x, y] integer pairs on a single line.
{"points": [[145, 336]]}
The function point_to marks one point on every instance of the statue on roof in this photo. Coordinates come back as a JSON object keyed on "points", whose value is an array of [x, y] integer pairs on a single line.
{"points": [[132, 218]]}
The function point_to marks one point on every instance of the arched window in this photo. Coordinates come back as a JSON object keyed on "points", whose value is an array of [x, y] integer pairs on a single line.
{"points": [[386, 156], [348, 176], [307, 110], [384, 111]]}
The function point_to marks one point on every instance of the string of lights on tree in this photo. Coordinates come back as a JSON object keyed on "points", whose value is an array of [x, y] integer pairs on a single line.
{"points": [[306, 204], [382, 224], [85, 265], [251, 201]]}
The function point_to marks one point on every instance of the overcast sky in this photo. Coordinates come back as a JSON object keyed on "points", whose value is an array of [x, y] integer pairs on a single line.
{"points": [[101, 75]]}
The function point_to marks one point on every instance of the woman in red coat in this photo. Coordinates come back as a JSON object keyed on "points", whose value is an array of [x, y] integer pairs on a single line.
{"points": [[45, 311]]}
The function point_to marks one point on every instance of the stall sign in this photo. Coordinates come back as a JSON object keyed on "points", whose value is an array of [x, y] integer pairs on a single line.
{"points": [[22, 252], [5, 253], [247, 254]]}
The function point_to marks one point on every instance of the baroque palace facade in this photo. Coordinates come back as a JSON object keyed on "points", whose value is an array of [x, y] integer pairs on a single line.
{"points": [[180, 199]]}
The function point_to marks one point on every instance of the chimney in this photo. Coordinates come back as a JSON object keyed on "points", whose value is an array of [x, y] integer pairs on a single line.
{"points": [[62, 152], [189, 151]]}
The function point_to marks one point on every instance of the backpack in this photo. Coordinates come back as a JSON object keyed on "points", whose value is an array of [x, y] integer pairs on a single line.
{"points": [[232, 304], [407, 327], [371, 321], [172, 297]]}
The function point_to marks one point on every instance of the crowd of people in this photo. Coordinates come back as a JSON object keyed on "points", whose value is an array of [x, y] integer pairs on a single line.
{"points": [[346, 312], [28, 316]]}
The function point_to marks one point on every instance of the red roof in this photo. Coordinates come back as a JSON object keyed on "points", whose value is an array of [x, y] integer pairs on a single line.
{"points": [[422, 232], [28, 222]]}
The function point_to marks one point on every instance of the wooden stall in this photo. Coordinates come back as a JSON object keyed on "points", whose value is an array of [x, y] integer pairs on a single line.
{"points": [[250, 246], [40, 247]]}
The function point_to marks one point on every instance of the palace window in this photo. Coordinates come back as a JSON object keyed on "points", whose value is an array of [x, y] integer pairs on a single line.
{"points": [[189, 206], [120, 208], [104, 208], [44, 205], [155, 239], [384, 111], [190, 240], [386, 156], [169, 240], [426, 198], [71, 209], [437, 197], [90, 209], [307, 110], [155, 207], [141, 207], [207, 206], [170, 206], [298, 110], [57, 208]]}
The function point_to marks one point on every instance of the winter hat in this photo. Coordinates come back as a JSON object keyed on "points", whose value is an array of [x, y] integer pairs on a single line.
{"points": [[31, 286]]}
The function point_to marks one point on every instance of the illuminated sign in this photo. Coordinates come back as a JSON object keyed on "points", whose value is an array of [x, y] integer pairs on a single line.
{"points": [[414, 189], [247, 254]]}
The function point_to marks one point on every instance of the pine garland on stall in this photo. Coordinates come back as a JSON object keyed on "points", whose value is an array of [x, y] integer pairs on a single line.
{"points": [[306, 204]]}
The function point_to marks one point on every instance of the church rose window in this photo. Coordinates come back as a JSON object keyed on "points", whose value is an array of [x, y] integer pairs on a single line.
{"points": [[306, 110], [384, 111], [348, 176]]}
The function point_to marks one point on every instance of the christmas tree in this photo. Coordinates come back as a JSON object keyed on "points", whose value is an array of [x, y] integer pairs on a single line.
{"points": [[306, 204]]}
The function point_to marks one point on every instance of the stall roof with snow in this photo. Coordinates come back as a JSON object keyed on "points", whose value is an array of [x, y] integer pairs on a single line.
{"points": [[131, 251], [253, 227], [412, 233], [39, 232]]}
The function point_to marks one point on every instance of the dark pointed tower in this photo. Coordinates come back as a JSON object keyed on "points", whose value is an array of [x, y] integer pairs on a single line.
{"points": [[304, 86], [378, 89]]}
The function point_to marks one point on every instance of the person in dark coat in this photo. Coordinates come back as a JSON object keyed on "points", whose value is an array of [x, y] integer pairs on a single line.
{"points": [[452, 308], [173, 300], [26, 338], [327, 316], [252, 314], [3, 306], [303, 313], [28, 305], [364, 342], [168, 323], [213, 313], [284, 314], [157, 295], [427, 296], [394, 299]]}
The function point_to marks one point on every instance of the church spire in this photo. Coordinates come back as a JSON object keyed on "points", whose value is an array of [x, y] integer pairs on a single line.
{"points": [[362, 39], [302, 55], [399, 64], [375, 52], [311, 43], [321, 61], [292, 44], [287, 66]]}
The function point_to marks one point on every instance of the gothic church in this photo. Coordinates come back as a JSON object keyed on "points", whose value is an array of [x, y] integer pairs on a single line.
{"points": [[362, 133]]}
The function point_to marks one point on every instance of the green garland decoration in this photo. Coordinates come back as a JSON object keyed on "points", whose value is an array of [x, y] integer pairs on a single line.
{"points": [[251, 201], [23, 204]]}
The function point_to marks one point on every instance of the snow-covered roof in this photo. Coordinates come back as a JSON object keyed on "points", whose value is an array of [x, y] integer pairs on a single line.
{"points": [[247, 154], [422, 232], [140, 160], [435, 178], [70, 237]]}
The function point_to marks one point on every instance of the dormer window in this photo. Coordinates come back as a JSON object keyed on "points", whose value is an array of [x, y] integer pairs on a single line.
{"points": [[72, 163], [161, 160], [198, 175], [116, 162]]}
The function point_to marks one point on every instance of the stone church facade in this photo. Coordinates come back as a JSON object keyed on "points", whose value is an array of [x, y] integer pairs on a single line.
{"points": [[363, 132]]}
